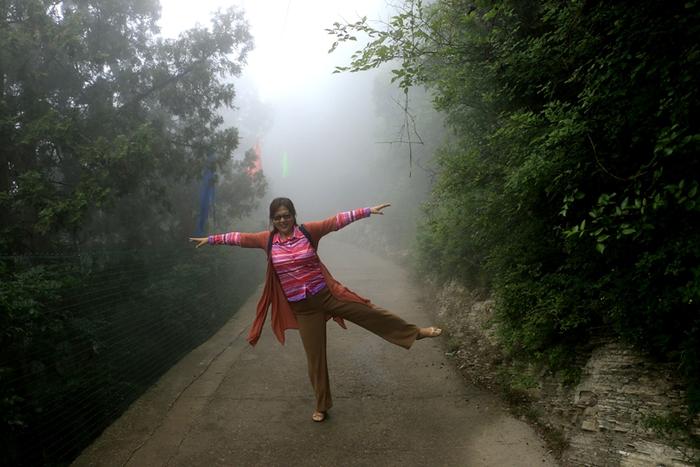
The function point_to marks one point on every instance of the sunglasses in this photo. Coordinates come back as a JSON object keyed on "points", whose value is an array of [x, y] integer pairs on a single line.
{"points": [[282, 217]]}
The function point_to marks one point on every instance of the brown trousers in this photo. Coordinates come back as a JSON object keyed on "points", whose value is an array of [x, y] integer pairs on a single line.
{"points": [[311, 316]]}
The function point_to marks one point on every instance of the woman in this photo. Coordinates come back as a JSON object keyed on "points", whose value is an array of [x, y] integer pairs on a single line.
{"points": [[304, 295]]}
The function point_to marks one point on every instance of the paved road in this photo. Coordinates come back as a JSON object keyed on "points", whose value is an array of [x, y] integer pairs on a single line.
{"points": [[229, 404]]}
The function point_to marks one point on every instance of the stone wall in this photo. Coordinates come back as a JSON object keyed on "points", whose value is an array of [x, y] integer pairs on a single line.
{"points": [[604, 419]]}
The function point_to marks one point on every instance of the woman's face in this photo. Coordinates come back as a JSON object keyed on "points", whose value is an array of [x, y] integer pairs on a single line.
{"points": [[283, 221]]}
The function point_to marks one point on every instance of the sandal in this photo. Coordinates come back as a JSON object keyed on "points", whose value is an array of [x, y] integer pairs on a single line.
{"points": [[318, 416], [431, 332]]}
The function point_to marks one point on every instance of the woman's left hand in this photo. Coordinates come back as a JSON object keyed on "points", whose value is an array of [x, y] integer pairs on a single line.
{"points": [[378, 209]]}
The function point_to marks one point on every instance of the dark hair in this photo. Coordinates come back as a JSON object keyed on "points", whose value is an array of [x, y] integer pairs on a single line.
{"points": [[278, 203]]}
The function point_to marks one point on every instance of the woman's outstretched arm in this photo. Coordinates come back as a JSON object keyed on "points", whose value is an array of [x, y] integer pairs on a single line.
{"points": [[245, 240], [320, 228], [346, 217]]}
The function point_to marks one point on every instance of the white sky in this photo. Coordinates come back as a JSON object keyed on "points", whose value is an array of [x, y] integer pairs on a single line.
{"points": [[290, 42]]}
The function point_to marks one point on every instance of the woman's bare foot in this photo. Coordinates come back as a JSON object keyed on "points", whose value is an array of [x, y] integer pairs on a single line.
{"points": [[318, 416], [431, 331]]}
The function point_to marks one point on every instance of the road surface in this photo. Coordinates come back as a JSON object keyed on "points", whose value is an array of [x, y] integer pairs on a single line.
{"points": [[229, 404]]}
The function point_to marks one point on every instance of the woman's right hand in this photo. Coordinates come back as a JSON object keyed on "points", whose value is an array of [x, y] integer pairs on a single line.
{"points": [[199, 241]]}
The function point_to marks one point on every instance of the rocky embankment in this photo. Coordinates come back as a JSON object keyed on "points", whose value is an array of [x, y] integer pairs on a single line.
{"points": [[624, 410]]}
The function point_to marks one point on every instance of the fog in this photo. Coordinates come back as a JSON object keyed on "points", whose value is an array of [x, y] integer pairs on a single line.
{"points": [[325, 138], [328, 136]]}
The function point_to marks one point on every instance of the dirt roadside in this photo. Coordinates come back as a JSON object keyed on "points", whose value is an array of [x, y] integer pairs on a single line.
{"points": [[227, 403]]}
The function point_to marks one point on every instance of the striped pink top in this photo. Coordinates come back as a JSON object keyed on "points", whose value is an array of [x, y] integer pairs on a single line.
{"points": [[295, 261]]}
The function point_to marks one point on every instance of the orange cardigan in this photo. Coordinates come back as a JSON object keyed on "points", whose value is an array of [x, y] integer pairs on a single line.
{"points": [[283, 317]]}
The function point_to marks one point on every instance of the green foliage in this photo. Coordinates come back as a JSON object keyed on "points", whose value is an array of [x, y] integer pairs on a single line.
{"points": [[106, 129], [677, 431], [401, 41], [572, 187], [96, 107]]}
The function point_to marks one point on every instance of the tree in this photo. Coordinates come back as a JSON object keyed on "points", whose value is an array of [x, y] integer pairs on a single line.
{"points": [[95, 106], [106, 129]]}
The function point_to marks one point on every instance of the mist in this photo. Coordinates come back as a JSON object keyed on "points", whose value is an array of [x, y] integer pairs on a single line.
{"points": [[344, 141], [329, 141], [327, 135]]}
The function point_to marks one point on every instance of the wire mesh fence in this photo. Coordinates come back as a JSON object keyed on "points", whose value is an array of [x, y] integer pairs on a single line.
{"points": [[84, 334]]}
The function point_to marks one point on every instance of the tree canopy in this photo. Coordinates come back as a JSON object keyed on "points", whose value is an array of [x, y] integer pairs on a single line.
{"points": [[96, 106]]}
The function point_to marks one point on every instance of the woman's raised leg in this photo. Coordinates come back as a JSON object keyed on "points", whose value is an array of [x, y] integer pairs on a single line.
{"points": [[377, 320]]}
